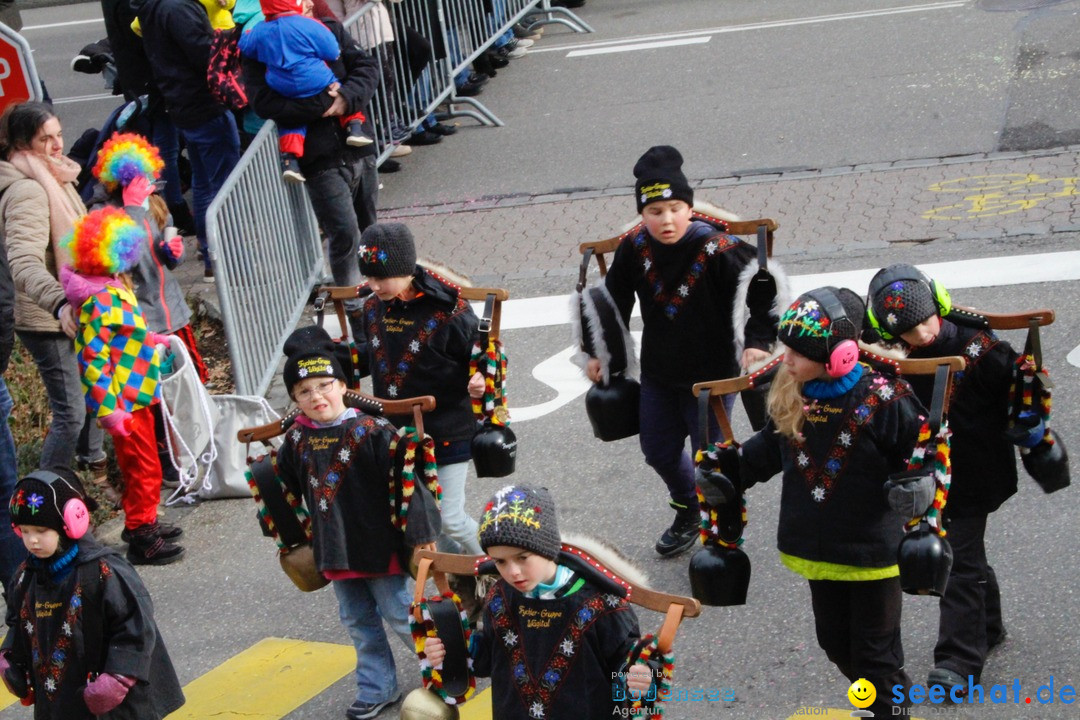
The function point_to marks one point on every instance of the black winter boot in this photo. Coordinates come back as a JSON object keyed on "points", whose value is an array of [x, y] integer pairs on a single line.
{"points": [[147, 547], [683, 533]]}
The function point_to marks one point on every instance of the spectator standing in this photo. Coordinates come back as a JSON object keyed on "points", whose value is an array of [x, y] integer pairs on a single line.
{"points": [[38, 207], [11, 548], [176, 37]]}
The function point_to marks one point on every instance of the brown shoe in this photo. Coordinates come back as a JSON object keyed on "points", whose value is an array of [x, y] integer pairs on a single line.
{"points": [[99, 475]]}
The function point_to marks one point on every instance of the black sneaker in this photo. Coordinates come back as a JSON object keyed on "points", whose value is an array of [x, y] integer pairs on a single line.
{"points": [[148, 548], [948, 680], [441, 129], [496, 60], [424, 138], [163, 530], [682, 535], [470, 89], [389, 165]]}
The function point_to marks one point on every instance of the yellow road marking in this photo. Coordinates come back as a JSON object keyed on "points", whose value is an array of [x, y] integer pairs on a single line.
{"points": [[267, 681], [829, 714], [478, 707], [6, 698]]}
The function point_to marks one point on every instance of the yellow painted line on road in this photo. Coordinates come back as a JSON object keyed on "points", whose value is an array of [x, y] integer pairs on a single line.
{"points": [[267, 681], [478, 707], [6, 698], [805, 713]]}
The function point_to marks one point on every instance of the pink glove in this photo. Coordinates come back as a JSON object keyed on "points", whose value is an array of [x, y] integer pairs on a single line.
{"points": [[175, 244], [105, 692], [116, 423], [138, 190], [153, 338]]}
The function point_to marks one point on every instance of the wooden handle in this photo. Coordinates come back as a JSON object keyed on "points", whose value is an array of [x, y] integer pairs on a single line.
{"points": [[1013, 321], [929, 366], [722, 387], [405, 406]]}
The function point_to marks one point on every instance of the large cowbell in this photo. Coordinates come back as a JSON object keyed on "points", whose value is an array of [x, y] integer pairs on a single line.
{"points": [[1048, 464], [925, 559], [612, 405], [494, 450], [719, 575]]}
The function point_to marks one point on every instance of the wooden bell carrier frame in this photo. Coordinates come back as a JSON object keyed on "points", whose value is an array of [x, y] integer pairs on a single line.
{"points": [[674, 607], [763, 228]]}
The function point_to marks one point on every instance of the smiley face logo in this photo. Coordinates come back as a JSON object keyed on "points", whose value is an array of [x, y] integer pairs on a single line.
{"points": [[862, 693]]}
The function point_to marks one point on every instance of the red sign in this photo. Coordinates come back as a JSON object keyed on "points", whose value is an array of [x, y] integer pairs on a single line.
{"points": [[18, 77]]}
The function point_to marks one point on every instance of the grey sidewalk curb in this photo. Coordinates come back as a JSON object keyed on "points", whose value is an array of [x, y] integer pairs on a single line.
{"points": [[746, 177]]}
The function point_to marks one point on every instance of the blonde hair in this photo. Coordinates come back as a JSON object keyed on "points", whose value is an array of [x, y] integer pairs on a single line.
{"points": [[785, 404]]}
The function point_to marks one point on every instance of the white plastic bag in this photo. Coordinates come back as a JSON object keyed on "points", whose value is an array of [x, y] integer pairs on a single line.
{"points": [[235, 412], [190, 417]]}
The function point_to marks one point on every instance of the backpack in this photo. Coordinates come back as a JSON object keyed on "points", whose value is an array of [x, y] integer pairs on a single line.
{"points": [[224, 76]]}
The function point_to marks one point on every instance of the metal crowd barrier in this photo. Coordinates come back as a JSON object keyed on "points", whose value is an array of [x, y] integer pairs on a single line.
{"points": [[267, 255], [262, 233], [423, 45]]}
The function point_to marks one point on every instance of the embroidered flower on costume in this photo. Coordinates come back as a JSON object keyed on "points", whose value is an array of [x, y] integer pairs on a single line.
{"points": [[832, 466], [567, 647], [585, 614], [551, 677], [66, 629], [323, 506], [495, 605], [891, 319], [392, 390], [861, 414], [34, 501], [375, 342], [510, 639], [683, 290], [29, 627], [802, 459], [344, 454], [648, 263], [974, 349], [612, 600], [845, 439], [50, 684], [885, 392], [313, 481], [519, 671], [536, 710], [414, 346], [818, 493], [295, 435], [302, 372], [710, 247]]}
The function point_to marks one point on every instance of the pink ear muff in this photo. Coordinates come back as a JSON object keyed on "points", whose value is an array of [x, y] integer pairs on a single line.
{"points": [[842, 359], [17, 529], [76, 518]]}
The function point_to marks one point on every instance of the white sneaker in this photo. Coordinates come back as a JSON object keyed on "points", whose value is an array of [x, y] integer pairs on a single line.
{"points": [[401, 151], [525, 42]]}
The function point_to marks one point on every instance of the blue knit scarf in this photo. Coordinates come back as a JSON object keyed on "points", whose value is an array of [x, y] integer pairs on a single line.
{"points": [[828, 389]]}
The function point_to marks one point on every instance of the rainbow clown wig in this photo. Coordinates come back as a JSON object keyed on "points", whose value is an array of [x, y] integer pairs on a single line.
{"points": [[105, 242], [123, 157]]}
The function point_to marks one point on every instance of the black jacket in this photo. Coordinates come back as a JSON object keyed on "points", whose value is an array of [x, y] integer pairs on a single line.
{"points": [[134, 77], [7, 309], [324, 145], [983, 460], [176, 38], [832, 504], [571, 648], [114, 601], [687, 293], [443, 326]]}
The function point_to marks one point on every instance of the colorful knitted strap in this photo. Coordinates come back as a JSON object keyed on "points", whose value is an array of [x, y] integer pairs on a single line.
{"points": [[424, 629], [1024, 391], [651, 704], [399, 515], [942, 470], [710, 525], [490, 361], [264, 513]]}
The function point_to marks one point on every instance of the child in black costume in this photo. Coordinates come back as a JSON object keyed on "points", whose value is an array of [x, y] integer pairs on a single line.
{"points": [[552, 643], [339, 460], [837, 429], [702, 319], [82, 641], [908, 306]]}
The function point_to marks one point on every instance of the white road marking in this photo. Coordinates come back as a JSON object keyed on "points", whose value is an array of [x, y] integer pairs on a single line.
{"points": [[638, 46], [812, 20], [1073, 358], [87, 98], [62, 24]]}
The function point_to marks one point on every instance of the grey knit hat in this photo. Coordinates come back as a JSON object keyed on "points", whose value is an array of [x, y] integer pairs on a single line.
{"points": [[387, 250], [523, 517], [900, 305]]}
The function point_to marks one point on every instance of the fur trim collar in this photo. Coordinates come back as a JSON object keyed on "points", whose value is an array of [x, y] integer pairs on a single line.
{"points": [[740, 314], [609, 556]]}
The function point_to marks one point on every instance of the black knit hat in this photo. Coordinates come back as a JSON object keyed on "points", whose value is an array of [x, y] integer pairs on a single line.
{"points": [[903, 303], [39, 499], [387, 250], [660, 177], [310, 353], [521, 516], [819, 320]]}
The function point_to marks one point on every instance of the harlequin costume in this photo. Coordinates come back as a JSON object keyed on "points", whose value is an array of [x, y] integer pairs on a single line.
{"points": [[345, 474], [983, 460], [78, 615], [698, 315], [554, 652], [836, 528], [423, 346], [119, 367]]}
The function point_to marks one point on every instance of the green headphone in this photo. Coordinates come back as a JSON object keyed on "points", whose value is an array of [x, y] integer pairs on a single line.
{"points": [[894, 273]]}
